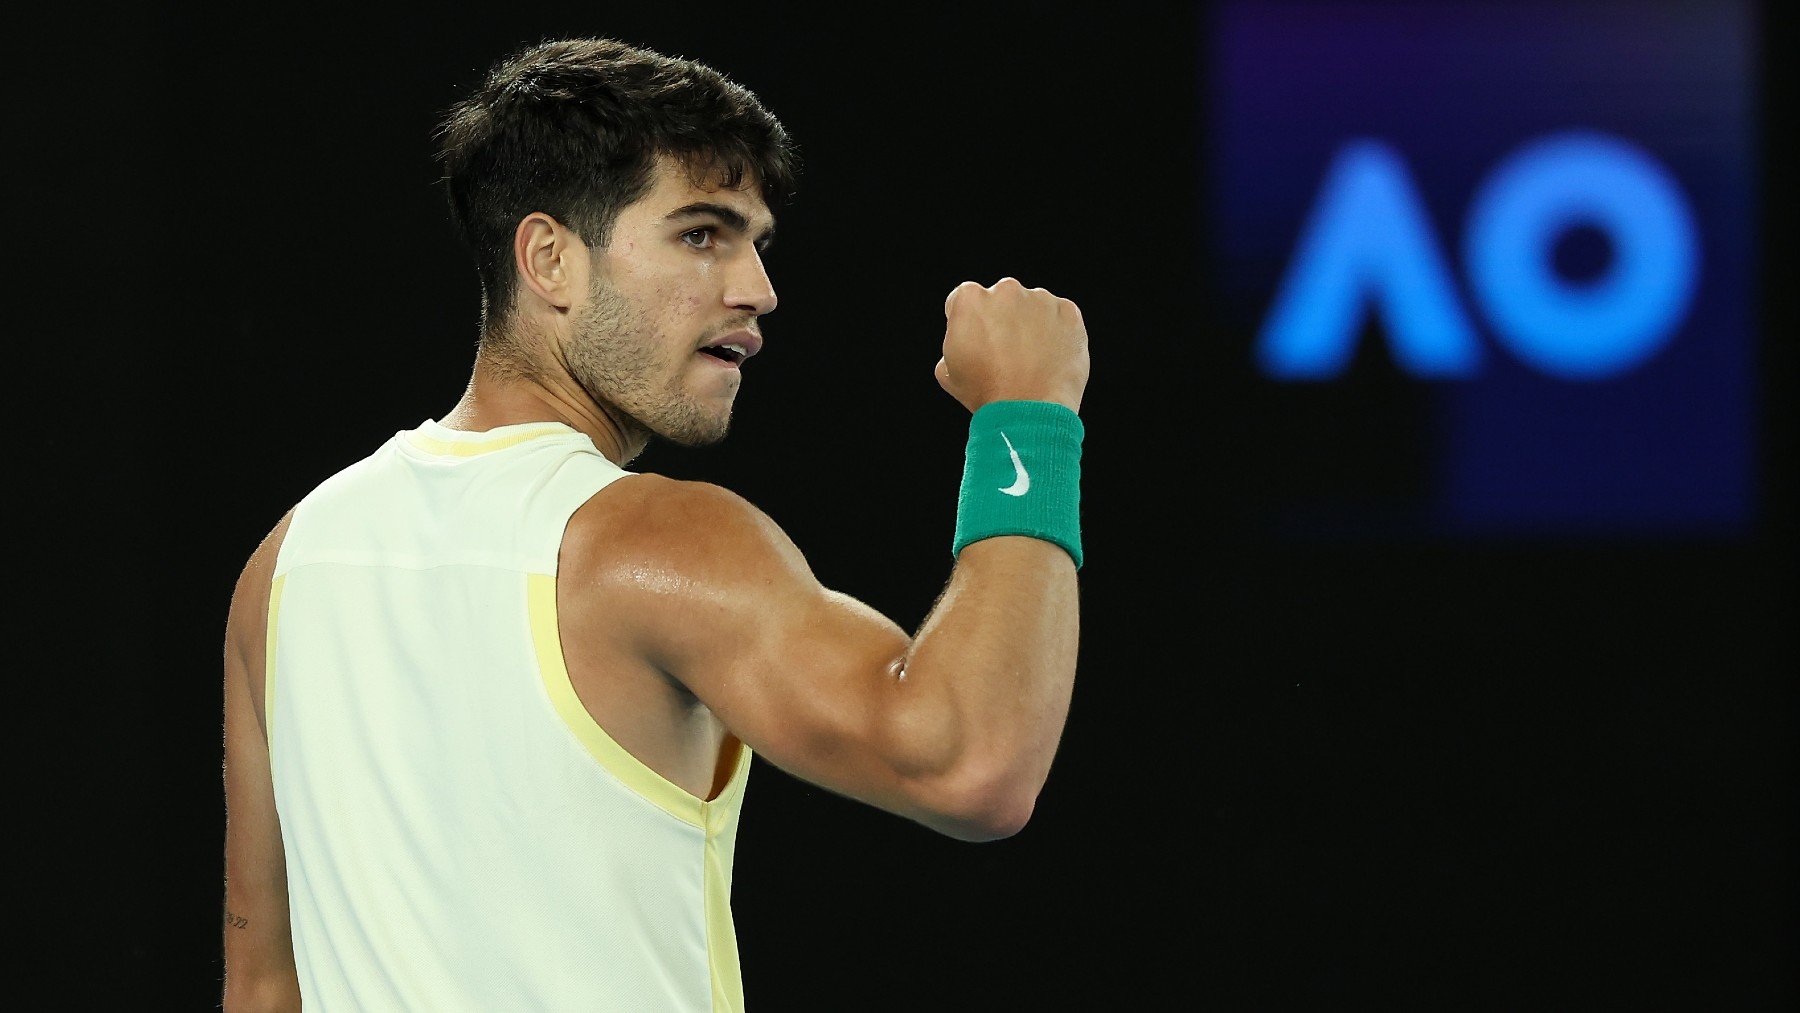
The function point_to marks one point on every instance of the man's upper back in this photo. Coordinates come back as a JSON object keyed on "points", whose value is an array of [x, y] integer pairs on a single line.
{"points": [[459, 831]]}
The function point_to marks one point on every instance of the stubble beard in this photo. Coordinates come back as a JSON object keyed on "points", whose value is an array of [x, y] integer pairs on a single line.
{"points": [[618, 362]]}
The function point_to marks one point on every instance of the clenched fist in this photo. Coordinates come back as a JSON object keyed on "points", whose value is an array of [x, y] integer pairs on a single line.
{"points": [[1012, 343]]}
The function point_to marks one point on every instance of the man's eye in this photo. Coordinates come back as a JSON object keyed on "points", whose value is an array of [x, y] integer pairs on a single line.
{"points": [[704, 241]]}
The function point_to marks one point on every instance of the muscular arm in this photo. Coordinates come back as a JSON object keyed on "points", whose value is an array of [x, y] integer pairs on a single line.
{"points": [[259, 951], [954, 728]]}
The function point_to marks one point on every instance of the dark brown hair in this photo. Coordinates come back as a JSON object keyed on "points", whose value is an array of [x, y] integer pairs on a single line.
{"points": [[572, 128]]}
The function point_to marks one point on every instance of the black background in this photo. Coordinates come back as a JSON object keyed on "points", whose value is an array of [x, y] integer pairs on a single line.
{"points": [[1414, 772]]}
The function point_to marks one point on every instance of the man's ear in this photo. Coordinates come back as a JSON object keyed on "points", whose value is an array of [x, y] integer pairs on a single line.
{"points": [[550, 259]]}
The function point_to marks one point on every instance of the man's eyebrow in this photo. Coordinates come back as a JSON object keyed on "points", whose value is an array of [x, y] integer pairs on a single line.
{"points": [[732, 217]]}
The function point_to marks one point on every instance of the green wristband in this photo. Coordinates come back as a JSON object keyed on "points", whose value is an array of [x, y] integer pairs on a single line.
{"points": [[1022, 475]]}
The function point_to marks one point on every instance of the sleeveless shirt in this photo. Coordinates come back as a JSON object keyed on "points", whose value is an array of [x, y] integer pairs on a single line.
{"points": [[460, 833]]}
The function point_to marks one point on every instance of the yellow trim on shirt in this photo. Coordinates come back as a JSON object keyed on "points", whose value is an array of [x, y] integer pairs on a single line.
{"points": [[721, 933], [669, 796], [275, 589], [470, 448]]}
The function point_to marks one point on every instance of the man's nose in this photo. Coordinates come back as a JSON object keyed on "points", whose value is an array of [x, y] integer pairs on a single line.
{"points": [[749, 287]]}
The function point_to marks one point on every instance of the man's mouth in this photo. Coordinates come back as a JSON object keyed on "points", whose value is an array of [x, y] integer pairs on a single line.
{"points": [[733, 348]]}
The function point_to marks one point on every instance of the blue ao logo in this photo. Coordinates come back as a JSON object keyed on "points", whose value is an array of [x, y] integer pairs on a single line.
{"points": [[1367, 242]]}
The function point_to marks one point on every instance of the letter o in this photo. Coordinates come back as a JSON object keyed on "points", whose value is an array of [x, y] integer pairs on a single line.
{"points": [[1598, 329]]}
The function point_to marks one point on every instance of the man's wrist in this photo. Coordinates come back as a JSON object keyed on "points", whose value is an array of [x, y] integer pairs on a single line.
{"points": [[1022, 475]]}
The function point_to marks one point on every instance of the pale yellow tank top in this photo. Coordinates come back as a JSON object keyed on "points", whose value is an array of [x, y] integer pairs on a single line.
{"points": [[460, 834]]}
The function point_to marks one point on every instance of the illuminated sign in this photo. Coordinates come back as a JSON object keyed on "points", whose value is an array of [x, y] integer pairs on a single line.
{"points": [[1538, 216], [1368, 242]]}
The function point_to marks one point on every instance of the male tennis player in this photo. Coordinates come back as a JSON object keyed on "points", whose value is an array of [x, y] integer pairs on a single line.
{"points": [[490, 699]]}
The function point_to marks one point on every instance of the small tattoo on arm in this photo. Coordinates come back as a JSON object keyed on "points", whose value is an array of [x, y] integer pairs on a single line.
{"points": [[236, 922]]}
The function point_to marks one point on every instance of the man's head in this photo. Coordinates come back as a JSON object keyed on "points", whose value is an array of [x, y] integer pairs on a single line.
{"points": [[616, 202]]}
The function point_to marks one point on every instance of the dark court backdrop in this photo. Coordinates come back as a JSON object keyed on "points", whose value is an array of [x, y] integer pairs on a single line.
{"points": [[1318, 752]]}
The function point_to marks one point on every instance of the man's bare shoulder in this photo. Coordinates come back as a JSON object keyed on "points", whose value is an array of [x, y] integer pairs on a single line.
{"points": [[246, 628], [649, 530], [251, 594]]}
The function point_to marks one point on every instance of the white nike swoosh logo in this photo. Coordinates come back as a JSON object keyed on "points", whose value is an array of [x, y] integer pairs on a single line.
{"points": [[1022, 478]]}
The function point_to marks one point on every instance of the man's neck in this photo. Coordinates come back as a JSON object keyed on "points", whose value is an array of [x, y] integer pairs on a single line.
{"points": [[499, 395]]}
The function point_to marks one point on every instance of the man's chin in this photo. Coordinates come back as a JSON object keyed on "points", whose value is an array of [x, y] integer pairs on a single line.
{"points": [[704, 434]]}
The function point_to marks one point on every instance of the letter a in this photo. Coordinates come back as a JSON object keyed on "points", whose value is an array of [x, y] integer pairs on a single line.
{"points": [[1367, 240]]}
